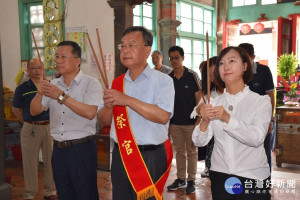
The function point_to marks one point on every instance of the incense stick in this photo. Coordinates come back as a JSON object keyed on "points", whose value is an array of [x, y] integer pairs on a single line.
{"points": [[208, 69], [97, 61], [101, 53], [37, 50]]}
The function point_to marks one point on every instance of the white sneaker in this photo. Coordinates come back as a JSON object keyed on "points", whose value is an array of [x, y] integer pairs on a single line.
{"points": [[205, 172]]}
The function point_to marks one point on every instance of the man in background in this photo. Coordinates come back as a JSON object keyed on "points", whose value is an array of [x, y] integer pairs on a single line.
{"points": [[35, 134], [187, 96], [262, 83], [157, 58]]}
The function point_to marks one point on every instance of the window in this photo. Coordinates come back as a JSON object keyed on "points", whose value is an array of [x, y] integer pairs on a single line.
{"points": [[31, 21], [35, 25], [196, 20], [236, 3], [266, 2], [142, 16], [194, 52], [145, 15]]}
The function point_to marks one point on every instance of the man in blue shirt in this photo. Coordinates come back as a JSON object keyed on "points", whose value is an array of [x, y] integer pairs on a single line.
{"points": [[35, 134], [149, 98]]}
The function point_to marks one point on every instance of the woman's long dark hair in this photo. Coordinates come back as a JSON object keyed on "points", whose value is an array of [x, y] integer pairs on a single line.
{"points": [[212, 61]]}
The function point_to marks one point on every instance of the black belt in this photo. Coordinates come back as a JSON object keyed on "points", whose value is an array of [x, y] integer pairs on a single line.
{"points": [[68, 143], [149, 147]]}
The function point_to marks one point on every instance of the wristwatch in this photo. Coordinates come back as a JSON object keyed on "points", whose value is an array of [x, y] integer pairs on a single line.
{"points": [[61, 97]]}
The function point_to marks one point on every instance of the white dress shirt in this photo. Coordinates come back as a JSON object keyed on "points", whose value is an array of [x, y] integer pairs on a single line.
{"points": [[64, 123], [239, 145]]}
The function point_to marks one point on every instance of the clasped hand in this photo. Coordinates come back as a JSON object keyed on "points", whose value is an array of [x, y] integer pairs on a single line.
{"points": [[208, 112], [49, 89], [113, 97]]}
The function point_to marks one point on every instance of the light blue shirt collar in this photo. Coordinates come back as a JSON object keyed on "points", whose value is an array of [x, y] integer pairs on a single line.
{"points": [[145, 73]]}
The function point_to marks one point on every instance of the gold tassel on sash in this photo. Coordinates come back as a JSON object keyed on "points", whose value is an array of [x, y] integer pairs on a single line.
{"points": [[148, 192]]}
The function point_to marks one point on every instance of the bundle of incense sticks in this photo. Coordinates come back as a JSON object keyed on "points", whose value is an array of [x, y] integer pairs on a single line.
{"points": [[102, 73]]}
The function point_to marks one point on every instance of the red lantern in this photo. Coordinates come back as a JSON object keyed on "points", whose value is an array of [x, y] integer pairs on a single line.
{"points": [[259, 27], [245, 28]]}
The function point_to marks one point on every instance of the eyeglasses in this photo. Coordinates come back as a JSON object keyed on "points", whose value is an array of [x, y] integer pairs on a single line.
{"points": [[174, 58], [64, 57], [35, 68], [122, 47]]}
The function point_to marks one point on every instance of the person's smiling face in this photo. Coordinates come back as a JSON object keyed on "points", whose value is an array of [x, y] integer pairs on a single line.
{"points": [[231, 67]]}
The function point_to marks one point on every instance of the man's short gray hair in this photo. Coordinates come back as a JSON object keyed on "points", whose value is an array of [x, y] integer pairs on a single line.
{"points": [[157, 51]]}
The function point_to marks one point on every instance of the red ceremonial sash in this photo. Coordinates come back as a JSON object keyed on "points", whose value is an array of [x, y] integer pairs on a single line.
{"points": [[132, 159]]}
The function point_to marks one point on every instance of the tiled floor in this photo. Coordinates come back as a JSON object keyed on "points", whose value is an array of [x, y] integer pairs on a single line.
{"points": [[280, 176]]}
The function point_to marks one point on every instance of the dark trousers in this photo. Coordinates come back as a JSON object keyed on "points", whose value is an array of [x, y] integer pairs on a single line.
{"points": [[75, 171], [209, 150], [156, 162], [267, 146], [252, 190]]}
